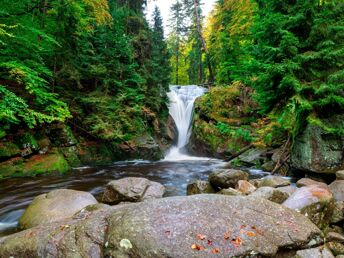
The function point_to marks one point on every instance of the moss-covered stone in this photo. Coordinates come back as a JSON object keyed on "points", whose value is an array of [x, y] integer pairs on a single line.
{"points": [[71, 155], [41, 164], [38, 164], [27, 140], [8, 149], [319, 151], [95, 153], [62, 136]]}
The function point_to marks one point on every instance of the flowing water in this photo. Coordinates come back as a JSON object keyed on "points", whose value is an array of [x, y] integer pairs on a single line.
{"points": [[174, 172]]}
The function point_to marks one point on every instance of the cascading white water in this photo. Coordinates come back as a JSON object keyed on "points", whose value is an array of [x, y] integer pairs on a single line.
{"points": [[182, 99]]}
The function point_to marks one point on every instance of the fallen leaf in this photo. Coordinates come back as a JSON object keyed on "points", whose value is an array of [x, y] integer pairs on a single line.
{"points": [[215, 250], [243, 226], [197, 247], [250, 234], [210, 242], [200, 236], [227, 235], [168, 232], [237, 241]]}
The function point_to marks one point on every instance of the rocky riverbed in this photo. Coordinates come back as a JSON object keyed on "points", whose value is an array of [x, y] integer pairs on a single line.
{"points": [[227, 216]]}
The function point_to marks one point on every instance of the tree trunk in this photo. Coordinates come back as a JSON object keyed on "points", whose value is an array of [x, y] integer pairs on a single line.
{"points": [[204, 45]]}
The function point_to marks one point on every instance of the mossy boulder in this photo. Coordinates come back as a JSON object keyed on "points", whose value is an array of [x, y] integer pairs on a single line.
{"points": [[199, 187], [71, 155], [62, 136], [95, 153], [55, 205], [318, 151], [8, 150], [35, 165], [225, 178]]}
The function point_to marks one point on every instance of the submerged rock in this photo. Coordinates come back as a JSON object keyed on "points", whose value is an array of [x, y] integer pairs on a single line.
{"points": [[199, 187], [55, 205], [316, 202], [225, 178], [132, 189], [170, 227], [271, 194]]}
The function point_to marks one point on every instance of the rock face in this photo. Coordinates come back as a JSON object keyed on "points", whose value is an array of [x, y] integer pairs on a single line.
{"points": [[318, 151], [170, 227], [225, 178], [271, 194], [314, 201], [199, 187], [337, 188], [132, 189], [56, 205]]}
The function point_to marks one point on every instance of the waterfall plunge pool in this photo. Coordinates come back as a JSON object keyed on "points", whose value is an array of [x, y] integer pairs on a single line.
{"points": [[176, 171]]}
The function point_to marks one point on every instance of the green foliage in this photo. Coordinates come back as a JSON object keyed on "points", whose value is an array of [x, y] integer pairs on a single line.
{"points": [[97, 58]]}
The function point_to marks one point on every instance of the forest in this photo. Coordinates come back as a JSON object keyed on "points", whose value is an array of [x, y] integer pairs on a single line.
{"points": [[129, 132]]}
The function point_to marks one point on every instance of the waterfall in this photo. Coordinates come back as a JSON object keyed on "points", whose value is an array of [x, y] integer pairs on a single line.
{"points": [[182, 99]]}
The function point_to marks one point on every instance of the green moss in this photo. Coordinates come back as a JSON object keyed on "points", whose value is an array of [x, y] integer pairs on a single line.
{"points": [[39, 164], [27, 140], [8, 149], [49, 163]]}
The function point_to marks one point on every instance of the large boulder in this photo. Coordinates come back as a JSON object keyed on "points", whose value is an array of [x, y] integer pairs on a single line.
{"points": [[132, 189], [225, 178], [340, 175], [55, 205], [199, 187], [337, 188], [194, 226], [319, 151], [271, 194], [316, 202]]}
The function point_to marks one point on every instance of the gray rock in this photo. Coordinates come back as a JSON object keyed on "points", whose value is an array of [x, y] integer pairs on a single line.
{"points": [[271, 194], [318, 151], [340, 175], [335, 237], [289, 190], [307, 181], [199, 187], [170, 227], [337, 188], [318, 252], [53, 206], [230, 191], [273, 181], [268, 166], [252, 156], [315, 202], [225, 178], [338, 212], [132, 189]]}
